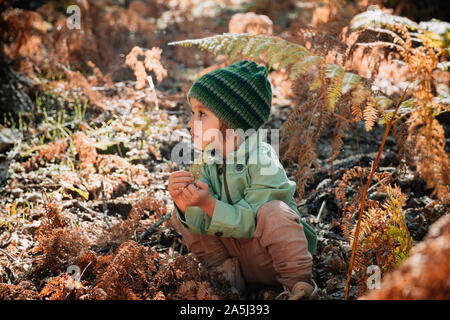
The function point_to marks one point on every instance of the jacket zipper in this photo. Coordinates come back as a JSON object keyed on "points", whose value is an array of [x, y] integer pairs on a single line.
{"points": [[224, 166]]}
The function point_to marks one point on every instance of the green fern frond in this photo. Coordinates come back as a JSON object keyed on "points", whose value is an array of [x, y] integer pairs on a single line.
{"points": [[266, 43], [292, 58], [333, 71], [336, 75], [404, 108], [288, 51], [222, 42], [231, 45], [238, 46], [277, 51], [302, 66], [276, 47], [382, 103], [350, 81], [213, 44], [316, 84], [250, 47]]}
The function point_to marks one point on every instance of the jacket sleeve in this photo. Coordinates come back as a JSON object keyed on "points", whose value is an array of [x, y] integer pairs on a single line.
{"points": [[239, 219]]}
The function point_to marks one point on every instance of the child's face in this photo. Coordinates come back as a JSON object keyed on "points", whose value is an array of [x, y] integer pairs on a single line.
{"points": [[204, 120]]}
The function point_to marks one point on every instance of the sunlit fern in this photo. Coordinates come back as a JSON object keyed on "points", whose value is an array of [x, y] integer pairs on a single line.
{"points": [[433, 33], [279, 54]]}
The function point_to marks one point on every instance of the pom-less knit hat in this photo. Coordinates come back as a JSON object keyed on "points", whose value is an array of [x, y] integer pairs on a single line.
{"points": [[240, 95]]}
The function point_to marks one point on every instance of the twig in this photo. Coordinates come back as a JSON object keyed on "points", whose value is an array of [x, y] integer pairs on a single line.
{"points": [[172, 249], [79, 205], [105, 207], [152, 86], [375, 185], [154, 227], [8, 255], [321, 210], [85, 270], [37, 185]]}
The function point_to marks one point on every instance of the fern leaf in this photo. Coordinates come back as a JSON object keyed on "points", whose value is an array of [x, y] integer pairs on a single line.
{"points": [[349, 82], [302, 66], [231, 45], [336, 75], [222, 42], [250, 47], [297, 55], [404, 108], [316, 84], [238, 46], [289, 50], [370, 114], [382, 103], [263, 46], [378, 18], [333, 71], [274, 48]]}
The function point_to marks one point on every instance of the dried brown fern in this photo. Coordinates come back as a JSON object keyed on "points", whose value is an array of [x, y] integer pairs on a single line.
{"points": [[128, 273], [364, 193], [151, 61], [115, 172], [426, 139], [299, 133], [58, 243], [51, 152], [185, 278], [384, 238], [151, 205]]}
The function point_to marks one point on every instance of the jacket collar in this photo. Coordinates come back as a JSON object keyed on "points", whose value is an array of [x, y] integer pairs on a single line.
{"points": [[246, 146]]}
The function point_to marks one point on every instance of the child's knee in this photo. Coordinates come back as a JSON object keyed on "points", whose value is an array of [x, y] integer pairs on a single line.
{"points": [[274, 210]]}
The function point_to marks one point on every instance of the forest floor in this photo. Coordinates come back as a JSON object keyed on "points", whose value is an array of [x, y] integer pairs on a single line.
{"points": [[48, 228]]}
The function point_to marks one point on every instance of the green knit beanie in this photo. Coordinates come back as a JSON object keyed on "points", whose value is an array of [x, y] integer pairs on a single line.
{"points": [[240, 95]]}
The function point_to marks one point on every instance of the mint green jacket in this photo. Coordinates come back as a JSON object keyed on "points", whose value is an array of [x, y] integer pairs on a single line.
{"points": [[252, 176]]}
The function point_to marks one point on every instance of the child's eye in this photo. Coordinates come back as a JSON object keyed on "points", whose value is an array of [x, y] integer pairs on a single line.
{"points": [[200, 114]]}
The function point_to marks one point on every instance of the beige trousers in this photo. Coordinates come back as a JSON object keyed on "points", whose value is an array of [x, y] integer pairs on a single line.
{"points": [[277, 253]]}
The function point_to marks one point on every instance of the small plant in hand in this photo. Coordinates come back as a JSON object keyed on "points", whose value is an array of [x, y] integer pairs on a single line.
{"points": [[186, 189]]}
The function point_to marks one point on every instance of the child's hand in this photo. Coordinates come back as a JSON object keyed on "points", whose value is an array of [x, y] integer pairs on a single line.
{"points": [[179, 180], [197, 194]]}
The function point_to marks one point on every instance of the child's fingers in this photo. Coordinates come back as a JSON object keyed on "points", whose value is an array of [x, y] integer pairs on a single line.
{"points": [[192, 189], [178, 186], [202, 185], [181, 173], [187, 193], [182, 180]]}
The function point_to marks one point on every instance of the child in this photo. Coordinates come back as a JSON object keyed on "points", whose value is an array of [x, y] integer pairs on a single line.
{"points": [[240, 216]]}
